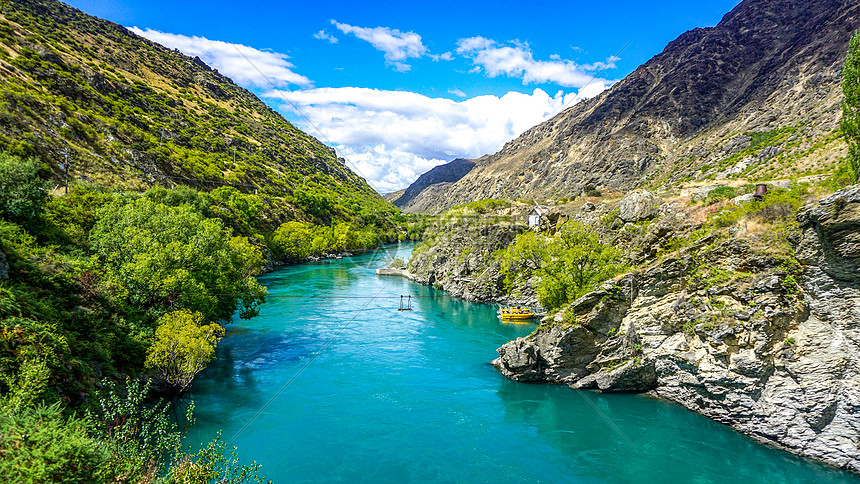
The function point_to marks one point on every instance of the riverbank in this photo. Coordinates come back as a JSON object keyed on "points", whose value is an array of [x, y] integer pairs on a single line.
{"points": [[381, 395], [738, 325]]}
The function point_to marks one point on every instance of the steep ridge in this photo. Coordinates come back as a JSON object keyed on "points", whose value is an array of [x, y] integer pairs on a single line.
{"points": [[756, 97], [447, 173], [133, 113]]}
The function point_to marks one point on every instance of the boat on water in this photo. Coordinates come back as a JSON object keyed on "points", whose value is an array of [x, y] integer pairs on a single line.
{"points": [[516, 313]]}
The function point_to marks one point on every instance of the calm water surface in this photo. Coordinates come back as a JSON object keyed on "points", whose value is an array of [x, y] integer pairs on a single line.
{"points": [[358, 391]]}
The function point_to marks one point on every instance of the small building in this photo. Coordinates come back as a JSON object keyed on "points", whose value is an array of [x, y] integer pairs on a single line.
{"points": [[537, 216]]}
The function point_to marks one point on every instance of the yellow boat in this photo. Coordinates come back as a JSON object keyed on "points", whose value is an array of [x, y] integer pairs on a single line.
{"points": [[516, 313]]}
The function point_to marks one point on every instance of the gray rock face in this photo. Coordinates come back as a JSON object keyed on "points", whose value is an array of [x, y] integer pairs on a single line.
{"points": [[639, 206], [456, 263], [771, 359], [831, 235]]}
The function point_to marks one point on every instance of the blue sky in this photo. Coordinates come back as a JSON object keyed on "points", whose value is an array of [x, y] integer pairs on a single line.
{"points": [[399, 87]]}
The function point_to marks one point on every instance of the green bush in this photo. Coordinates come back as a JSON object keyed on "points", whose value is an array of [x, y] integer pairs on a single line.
{"points": [[851, 108], [168, 258], [22, 192], [570, 263]]}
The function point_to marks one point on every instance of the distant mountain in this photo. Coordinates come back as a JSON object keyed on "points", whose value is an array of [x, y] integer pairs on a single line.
{"points": [[757, 97], [448, 173], [132, 113]]}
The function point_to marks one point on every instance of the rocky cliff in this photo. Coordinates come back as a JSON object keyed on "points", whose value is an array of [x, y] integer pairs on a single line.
{"points": [[730, 328], [755, 97], [456, 254]]}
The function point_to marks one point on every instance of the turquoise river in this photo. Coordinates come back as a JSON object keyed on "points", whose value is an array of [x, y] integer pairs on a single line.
{"points": [[331, 383]]}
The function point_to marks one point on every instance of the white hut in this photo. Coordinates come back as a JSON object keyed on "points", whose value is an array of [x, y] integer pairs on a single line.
{"points": [[537, 215]]}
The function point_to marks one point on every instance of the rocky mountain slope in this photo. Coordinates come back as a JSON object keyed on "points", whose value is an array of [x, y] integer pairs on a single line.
{"points": [[447, 173], [756, 97], [132, 113]]}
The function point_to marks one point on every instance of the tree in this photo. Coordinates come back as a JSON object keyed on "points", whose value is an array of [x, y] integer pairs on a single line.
{"points": [[182, 348], [169, 258], [22, 192], [292, 240], [569, 264], [851, 107], [142, 443]]}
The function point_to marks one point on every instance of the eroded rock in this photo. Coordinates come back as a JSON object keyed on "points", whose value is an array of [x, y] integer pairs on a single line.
{"points": [[639, 206]]}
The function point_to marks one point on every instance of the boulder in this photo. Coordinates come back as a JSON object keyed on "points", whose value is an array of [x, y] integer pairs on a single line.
{"points": [[632, 376], [740, 200], [639, 206], [702, 193]]}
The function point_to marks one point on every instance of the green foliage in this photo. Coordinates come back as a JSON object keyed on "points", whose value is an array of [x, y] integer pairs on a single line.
{"points": [[590, 191], [719, 194], [140, 439], [295, 241], [39, 444], [851, 108], [292, 241], [183, 346], [143, 444], [484, 206], [168, 258], [75, 214], [570, 263], [777, 211], [22, 192]]}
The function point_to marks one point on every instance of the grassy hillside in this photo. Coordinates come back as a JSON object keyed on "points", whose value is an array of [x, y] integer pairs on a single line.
{"points": [[134, 114]]}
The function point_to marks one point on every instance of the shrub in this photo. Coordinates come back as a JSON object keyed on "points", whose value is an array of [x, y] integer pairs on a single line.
{"points": [[851, 107], [183, 346], [22, 192]]}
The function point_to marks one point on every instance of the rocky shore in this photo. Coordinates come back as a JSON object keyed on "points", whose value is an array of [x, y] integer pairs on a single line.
{"points": [[731, 331]]}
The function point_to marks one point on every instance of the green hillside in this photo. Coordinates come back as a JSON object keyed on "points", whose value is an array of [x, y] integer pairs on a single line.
{"points": [[132, 113]]}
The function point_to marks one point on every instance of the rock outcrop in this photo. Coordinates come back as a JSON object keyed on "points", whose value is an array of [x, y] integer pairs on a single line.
{"points": [[457, 261], [638, 206], [731, 332]]}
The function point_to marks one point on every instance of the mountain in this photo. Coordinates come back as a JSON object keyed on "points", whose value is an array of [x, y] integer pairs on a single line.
{"points": [[132, 113], [755, 97], [447, 173]]}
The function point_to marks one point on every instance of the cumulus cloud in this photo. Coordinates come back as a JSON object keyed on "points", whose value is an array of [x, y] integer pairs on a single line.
{"points": [[398, 46], [232, 60], [394, 136], [391, 137], [517, 60], [323, 35]]}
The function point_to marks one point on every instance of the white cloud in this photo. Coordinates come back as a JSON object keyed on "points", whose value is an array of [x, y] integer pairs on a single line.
{"points": [[398, 46], [232, 60], [442, 57], [394, 136], [517, 60], [323, 35], [391, 137]]}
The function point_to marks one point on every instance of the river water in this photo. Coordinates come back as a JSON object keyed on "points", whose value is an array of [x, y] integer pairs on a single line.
{"points": [[331, 383]]}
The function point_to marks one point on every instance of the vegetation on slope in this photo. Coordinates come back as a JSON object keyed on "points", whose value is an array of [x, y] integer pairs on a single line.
{"points": [[126, 112], [851, 109]]}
